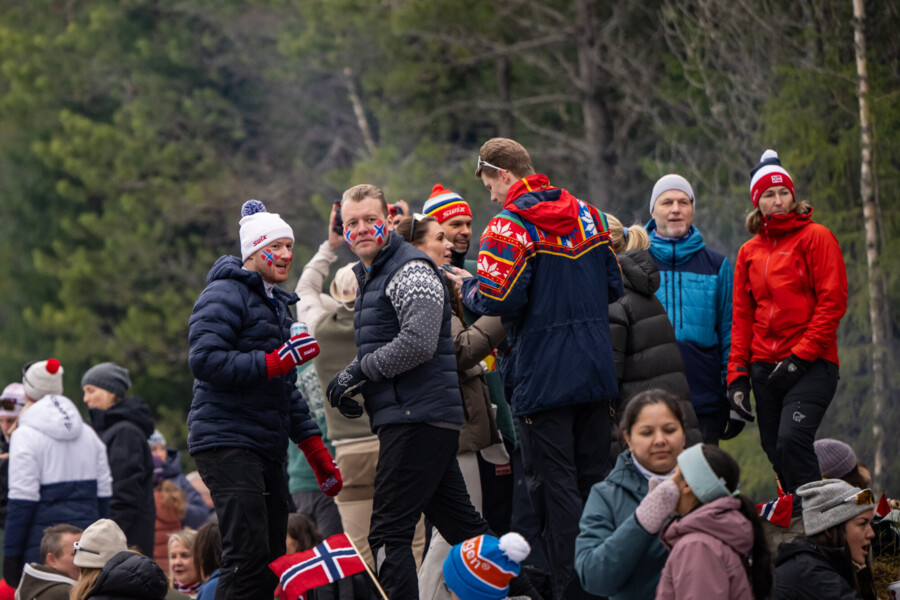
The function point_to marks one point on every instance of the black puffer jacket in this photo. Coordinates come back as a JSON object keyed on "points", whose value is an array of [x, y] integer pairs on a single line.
{"points": [[130, 576], [643, 339], [804, 571], [124, 428]]}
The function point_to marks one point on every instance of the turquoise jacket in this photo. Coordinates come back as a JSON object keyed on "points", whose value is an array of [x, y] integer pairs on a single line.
{"points": [[695, 289], [614, 555], [301, 477]]}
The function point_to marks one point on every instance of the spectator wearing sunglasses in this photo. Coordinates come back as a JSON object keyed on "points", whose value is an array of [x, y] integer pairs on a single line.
{"points": [[546, 267], [124, 424], [58, 473], [829, 561]]}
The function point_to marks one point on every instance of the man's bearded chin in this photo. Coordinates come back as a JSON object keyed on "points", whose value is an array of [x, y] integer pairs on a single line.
{"points": [[458, 259]]}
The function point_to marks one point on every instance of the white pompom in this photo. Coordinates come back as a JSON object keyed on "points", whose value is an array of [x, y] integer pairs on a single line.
{"points": [[768, 154], [514, 546]]}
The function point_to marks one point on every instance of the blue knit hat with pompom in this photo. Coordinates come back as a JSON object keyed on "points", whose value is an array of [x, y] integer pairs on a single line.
{"points": [[480, 568], [260, 228]]}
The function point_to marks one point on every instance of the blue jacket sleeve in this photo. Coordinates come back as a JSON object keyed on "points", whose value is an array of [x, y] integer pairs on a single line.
{"points": [[605, 555], [213, 332], [504, 270], [724, 290]]}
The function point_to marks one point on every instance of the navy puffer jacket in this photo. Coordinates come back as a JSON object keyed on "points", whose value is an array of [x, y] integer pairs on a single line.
{"points": [[236, 405], [130, 576]]}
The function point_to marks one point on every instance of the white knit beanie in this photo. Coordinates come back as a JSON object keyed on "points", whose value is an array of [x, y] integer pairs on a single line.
{"points": [[43, 378], [670, 182], [260, 228]]}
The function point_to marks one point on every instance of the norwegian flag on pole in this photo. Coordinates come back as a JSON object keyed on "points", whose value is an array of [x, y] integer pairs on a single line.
{"points": [[333, 559], [778, 511]]}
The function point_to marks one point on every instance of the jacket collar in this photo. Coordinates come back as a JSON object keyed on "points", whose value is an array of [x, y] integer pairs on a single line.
{"points": [[778, 225], [674, 251], [533, 198]]}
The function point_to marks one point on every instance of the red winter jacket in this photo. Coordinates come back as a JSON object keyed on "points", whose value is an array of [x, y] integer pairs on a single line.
{"points": [[790, 292]]}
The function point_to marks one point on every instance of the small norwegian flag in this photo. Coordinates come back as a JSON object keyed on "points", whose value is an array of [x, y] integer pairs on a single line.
{"points": [[778, 511], [333, 559], [884, 507], [300, 349]]}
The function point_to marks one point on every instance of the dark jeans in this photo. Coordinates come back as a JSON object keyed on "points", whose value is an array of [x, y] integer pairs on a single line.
{"points": [[565, 452], [417, 473], [787, 427], [250, 493]]}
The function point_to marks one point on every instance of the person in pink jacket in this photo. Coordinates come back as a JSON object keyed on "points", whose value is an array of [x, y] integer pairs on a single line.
{"points": [[716, 544]]}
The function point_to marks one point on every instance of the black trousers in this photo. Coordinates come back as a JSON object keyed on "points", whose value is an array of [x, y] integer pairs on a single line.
{"points": [[250, 494], [417, 473], [712, 425], [565, 451], [787, 427]]}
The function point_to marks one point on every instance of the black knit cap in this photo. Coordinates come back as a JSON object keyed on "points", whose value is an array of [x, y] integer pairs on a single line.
{"points": [[108, 376]]}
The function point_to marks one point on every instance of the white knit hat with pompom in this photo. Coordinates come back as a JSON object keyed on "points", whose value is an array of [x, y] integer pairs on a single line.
{"points": [[260, 228]]}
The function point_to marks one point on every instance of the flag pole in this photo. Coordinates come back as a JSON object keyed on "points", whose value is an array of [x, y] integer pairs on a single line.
{"points": [[368, 570]]}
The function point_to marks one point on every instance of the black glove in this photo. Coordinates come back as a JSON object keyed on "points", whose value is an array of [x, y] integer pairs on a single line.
{"points": [[786, 374], [733, 426], [344, 385], [12, 570], [739, 398]]}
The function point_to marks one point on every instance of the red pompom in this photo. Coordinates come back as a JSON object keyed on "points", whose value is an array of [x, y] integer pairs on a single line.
{"points": [[52, 366]]}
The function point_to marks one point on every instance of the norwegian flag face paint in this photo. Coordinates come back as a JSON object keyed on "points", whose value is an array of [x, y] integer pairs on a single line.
{"points": [[269, 256], [350, 236], [377, 232]]}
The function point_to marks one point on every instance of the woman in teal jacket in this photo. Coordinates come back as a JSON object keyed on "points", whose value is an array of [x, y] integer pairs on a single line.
{"points": [[614, 555]]}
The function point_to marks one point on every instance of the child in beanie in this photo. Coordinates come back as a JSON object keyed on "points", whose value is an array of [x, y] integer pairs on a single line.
{"points": [[480, 568]]}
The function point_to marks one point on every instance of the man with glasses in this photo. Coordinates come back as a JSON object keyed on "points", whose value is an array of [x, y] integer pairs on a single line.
{"points": [[406, 371], [547, 269]]}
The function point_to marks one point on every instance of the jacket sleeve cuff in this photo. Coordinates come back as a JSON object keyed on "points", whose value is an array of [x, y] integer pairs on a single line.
{"points": [[273, 365]]}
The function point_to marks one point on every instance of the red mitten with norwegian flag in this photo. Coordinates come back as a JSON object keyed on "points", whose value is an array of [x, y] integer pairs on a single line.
{"points": [[323, 465], [296, 351]]}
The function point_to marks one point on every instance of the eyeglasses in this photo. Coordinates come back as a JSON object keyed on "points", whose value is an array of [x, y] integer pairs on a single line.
{"points": [[864, 497], [79, 548], [483, 163], [412, 228]]}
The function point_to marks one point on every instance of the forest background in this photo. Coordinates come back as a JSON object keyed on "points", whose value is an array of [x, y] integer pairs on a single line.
{"points": [[132, 130]]}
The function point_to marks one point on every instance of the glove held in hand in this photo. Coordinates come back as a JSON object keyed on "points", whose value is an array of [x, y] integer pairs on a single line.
{"points": [[656, 506], [345, 384], [786, 374], [323, 465], [296, 351], [739, 398]]}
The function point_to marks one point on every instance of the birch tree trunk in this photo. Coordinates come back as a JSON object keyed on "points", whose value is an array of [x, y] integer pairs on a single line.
{"points": [[877, 300]]}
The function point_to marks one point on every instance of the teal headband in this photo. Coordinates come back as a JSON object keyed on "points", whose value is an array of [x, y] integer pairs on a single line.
{"points": [[705, 484]]}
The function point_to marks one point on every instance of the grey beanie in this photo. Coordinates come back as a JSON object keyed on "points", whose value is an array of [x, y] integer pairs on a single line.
{"points": [[99, 543], [108, 376], [156, 439], [836, 458], [823, 505], [670, 182]]}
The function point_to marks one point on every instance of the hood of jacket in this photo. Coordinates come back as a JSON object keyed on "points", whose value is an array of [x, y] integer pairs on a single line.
{"points": [[131, 575], [37, 579], [626, 476], [674, 252], [172, 467], [639, 272], [721, 519], [131, 409], [774, 226], [535, 200], [54, 416], [230, 267]]}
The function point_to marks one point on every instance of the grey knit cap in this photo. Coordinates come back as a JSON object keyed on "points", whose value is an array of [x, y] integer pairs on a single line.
{"points": [[156, 439], [108, 376], [670, 182], [836, 458], [823, 505]]}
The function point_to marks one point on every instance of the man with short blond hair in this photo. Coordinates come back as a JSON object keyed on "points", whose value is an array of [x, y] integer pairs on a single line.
{"points": [[547, 269]]}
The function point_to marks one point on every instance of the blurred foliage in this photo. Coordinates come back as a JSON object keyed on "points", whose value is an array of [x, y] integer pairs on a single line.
{"points": [[132, 130]]}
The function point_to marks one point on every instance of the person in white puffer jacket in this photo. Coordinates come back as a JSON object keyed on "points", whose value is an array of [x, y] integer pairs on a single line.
{"points": [[58, 473]]}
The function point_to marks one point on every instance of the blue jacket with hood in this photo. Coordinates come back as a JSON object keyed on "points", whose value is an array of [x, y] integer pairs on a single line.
{"points": [[695, 289], [236, 405], [547, 269]]}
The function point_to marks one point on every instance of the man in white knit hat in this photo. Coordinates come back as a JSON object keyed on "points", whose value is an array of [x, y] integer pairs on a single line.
{"points": [[42, 378], [246, 405]]}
